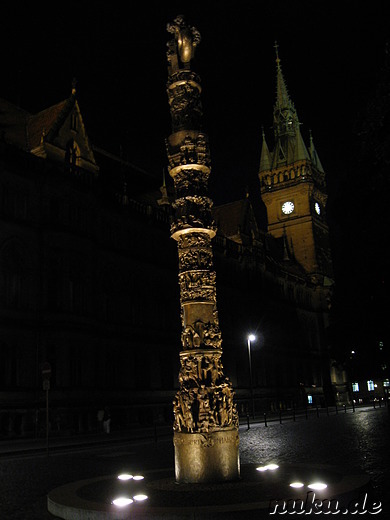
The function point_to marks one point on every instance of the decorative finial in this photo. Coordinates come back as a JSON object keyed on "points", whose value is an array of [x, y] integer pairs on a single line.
{"points": [[43, 135], [276, 47], [262, 132], [164, 201], [74, 85], [125, 198]]}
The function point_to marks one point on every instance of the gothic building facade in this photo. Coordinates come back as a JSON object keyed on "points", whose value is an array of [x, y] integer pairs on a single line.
{"points": [[88, 278]]}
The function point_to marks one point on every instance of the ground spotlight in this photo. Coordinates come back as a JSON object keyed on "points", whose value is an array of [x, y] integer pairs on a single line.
{"points": [[125, 476], [140, 498], [317, 486], [122, 501], [270, 467]]}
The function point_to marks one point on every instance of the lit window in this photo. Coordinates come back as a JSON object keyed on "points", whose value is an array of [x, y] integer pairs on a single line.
{"points": [[386, 383], [355, 387], [310, 399], [370, 386]]}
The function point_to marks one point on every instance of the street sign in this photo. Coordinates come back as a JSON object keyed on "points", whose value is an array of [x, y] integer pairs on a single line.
{"points": [[46, 370]]}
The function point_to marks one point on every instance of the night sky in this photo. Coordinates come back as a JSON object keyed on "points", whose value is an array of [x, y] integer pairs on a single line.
{"points": [[331, 55]]}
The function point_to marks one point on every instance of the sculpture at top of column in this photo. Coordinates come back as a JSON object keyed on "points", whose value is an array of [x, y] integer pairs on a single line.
{"points": [[184, 44]]}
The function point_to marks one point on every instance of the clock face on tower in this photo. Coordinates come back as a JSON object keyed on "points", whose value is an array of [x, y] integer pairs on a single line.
{"points": [[317, 208], [288, 207]]}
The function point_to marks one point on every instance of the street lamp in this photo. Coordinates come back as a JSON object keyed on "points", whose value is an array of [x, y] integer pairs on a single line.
{"points": [[251, 338]]}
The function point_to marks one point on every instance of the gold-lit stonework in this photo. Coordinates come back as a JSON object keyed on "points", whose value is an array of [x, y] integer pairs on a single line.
{"points": [[293, 189], [206, 420]]}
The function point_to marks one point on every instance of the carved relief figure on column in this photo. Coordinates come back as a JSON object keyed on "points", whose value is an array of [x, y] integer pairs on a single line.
{"points": [[205, 400]]}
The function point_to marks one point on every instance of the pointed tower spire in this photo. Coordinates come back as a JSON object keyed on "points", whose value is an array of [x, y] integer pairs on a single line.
{"points": [[300, 151], [164, 201], [289, 145], [293, 189], [265, 157], [283, 100], [314, 155]]}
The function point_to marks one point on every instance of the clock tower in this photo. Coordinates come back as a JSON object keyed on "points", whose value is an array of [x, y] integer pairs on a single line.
{"points": [[293, 188]]}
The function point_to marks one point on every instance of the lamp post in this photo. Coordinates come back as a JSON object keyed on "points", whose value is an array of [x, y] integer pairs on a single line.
{"points": [[251, 338]]}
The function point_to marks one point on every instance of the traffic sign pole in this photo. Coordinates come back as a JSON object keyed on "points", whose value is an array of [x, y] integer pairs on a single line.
{"points": [[47, 419]]}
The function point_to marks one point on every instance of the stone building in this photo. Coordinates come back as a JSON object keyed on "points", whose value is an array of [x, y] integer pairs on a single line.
{"points": [[88, 278]]}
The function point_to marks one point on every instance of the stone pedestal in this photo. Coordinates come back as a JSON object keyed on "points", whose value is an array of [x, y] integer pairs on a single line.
{"points": [[206, 457]]}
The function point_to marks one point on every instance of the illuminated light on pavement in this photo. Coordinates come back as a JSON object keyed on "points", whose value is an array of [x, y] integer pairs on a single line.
{"points": [[125, 476], [296, 484], [140, 498], [122, 501], [317, 486], [271, 467]]}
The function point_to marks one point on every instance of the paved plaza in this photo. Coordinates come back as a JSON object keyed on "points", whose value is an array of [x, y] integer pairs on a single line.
{"points": [[358, 442]]}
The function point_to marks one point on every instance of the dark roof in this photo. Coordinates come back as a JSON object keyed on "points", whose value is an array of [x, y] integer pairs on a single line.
{"points": [[25, 130], [228, 217], [43, 122], [235, 218]]}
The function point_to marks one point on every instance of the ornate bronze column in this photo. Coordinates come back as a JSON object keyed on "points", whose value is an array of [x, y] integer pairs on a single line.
{"points": [[206, 420]]}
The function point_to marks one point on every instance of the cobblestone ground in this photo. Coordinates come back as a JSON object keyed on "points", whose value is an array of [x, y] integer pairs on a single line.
{"points": [[358, 441]]}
